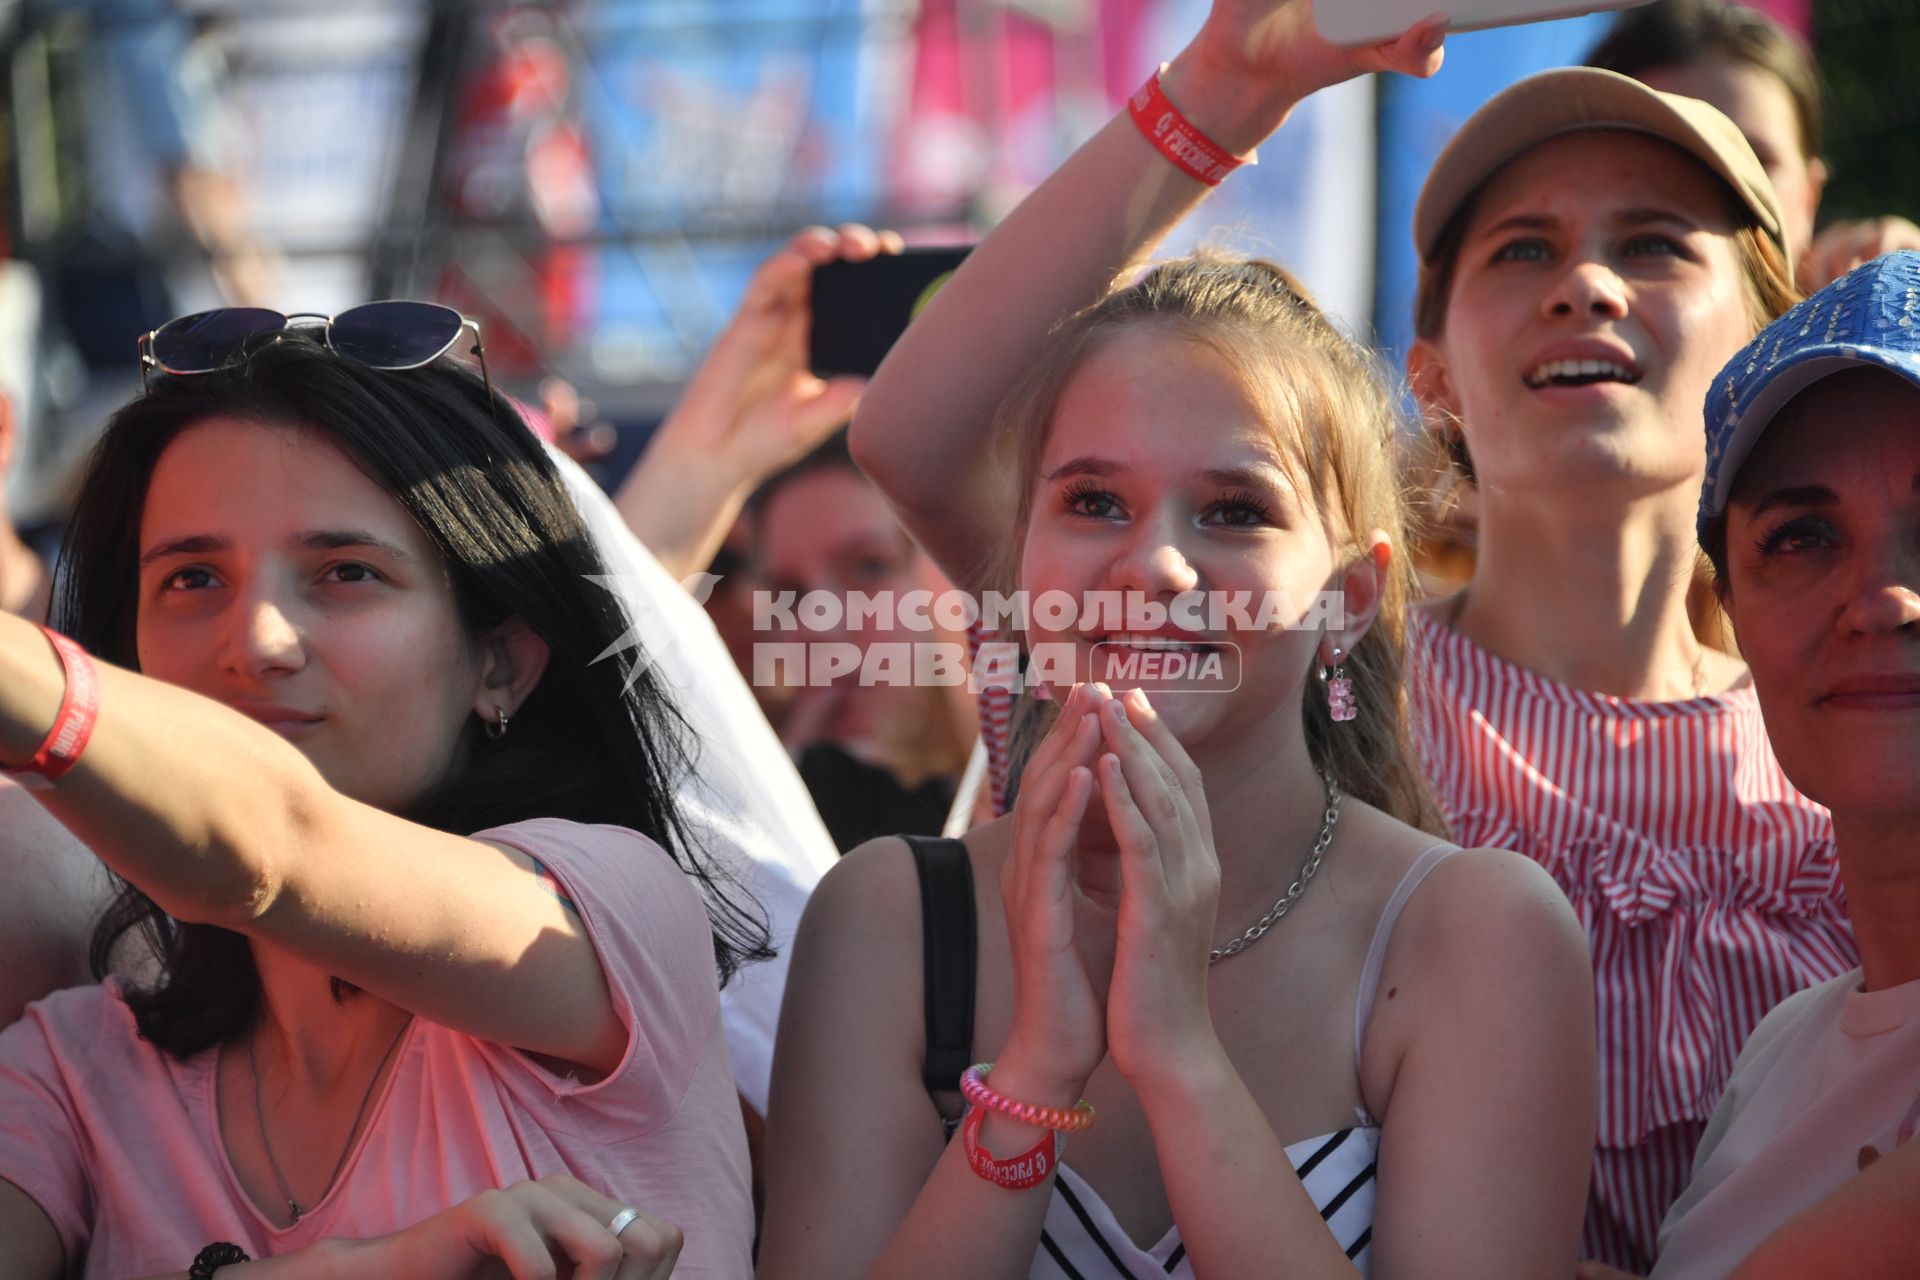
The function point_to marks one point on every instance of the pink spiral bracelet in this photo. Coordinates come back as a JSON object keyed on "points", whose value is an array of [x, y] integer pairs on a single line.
{"points": [[974, 1087]]}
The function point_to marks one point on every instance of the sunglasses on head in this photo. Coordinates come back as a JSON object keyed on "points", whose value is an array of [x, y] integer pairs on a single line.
{"points": [[382, 335]]}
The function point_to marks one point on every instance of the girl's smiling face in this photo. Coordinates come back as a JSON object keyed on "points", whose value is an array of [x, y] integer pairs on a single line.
{"points": [[277, 578], [1159, 477], [1597, 291]]}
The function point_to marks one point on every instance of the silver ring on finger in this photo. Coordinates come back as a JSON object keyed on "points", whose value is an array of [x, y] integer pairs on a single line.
{"points": [[622, 1220]]}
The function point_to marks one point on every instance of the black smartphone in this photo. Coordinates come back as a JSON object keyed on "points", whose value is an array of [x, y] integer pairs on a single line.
{"points": [[861, 308]]}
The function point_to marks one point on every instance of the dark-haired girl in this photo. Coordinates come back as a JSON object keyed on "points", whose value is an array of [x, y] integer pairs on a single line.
{"points": [[435, 989]]}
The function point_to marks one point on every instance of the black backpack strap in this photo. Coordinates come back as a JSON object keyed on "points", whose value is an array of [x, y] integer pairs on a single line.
{"points": [[948, 953]]}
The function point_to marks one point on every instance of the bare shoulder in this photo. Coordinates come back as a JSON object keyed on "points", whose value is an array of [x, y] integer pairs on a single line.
{"points": [[1484, 907], [836, 1191], [1492, 977], [856, 956], [1487, 949], [874, 892], [873, 888], [1500, 876]]}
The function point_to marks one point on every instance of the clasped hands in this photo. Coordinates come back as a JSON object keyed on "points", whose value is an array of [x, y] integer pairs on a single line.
{"points": [[1110, 929]]}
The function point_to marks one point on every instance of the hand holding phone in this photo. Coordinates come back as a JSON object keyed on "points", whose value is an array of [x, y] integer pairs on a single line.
{"points": [[1360, 22], [752, 407], [1255, 60], [861, 308]]}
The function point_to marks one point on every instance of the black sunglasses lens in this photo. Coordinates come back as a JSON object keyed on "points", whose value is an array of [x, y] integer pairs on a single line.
{"points": [[395, 335], [207, 340]]}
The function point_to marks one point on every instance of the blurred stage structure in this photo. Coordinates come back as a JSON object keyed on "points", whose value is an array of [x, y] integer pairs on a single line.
{"points": [[595, 179]]}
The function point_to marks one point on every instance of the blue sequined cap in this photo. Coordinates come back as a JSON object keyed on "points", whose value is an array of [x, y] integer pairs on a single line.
{"points": [[1870, 316]]}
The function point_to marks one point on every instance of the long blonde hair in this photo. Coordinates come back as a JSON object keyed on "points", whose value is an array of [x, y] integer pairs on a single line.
{"points": [[1336, 423]]}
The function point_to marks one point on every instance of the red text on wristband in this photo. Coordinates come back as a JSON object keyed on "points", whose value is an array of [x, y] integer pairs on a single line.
{"points": [[1016, 1173]]}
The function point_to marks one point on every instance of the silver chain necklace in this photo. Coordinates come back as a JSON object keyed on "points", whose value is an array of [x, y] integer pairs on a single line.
{"points": [[260, 1118], [1294, 890]]}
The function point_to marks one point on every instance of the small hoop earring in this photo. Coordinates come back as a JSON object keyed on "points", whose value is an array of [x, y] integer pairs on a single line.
{"points": [[1341, 706], [498, 729]]}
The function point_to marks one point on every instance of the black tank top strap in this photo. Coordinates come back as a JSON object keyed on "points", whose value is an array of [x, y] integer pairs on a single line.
{"points": [[948, 956]]}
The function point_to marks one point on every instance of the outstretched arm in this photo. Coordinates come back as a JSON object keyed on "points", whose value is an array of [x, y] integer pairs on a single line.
{"points": [[221, 821], [921, 429]]}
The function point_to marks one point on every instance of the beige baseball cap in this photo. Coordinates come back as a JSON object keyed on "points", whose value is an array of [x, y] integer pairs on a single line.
{"points": [[1571, 99]]}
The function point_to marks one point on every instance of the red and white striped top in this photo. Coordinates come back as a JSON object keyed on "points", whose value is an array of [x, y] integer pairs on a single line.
{"points": [[1706, 884]]}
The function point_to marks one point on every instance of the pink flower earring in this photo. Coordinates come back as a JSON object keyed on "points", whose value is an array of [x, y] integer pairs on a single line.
{"points": [[1340, 703]]}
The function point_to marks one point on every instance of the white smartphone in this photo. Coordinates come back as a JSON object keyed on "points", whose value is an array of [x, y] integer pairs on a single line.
{"points": [[1373, 21]]}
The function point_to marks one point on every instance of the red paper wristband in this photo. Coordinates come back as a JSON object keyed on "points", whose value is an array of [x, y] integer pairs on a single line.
{"points": [[73, 724], [1199, 156], [1016, 1173]]}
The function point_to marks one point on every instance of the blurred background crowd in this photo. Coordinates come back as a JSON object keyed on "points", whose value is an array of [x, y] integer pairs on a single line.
{"points": [[595, 181]]}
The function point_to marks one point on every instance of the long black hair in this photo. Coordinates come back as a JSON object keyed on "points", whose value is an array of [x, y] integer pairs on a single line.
{"points": [[587, 745]]}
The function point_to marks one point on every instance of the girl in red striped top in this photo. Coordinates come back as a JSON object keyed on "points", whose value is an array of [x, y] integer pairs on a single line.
{"points": [[1594, 251]]}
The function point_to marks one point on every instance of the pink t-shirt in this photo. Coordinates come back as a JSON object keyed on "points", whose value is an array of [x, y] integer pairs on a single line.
{"points": [[1828, 1085], [119, 1144]]}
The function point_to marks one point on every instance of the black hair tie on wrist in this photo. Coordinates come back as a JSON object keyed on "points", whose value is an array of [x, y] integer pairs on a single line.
{"points": [[212, 1258]]}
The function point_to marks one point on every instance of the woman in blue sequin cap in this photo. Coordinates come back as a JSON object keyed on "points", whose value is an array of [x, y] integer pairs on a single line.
{"points": [[1811, 515]]}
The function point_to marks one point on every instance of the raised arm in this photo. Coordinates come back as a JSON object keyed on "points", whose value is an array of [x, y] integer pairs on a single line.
{"points": [[921, 429], [751, 409], [221, 821]]}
